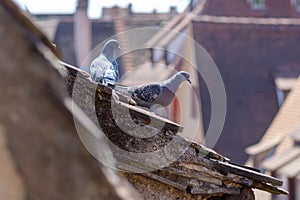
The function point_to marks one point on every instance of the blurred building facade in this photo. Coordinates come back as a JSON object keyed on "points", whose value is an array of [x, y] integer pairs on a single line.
{"points": [[76, 35]]}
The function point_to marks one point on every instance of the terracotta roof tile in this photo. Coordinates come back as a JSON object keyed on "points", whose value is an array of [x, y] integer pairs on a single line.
{"points": [[286, 121], [292, 169], [275, 162]]}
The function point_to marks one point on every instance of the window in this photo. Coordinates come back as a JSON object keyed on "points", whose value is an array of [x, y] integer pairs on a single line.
{"points": [[283, 87], [296, 3], [257, 4]]}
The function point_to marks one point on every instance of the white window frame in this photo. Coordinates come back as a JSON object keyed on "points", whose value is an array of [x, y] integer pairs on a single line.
{"points": [[296, 4], [257, 5], [283, 87]]}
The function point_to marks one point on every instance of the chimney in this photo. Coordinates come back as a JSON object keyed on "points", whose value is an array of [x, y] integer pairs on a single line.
{"points": [[194, 3], [173, 10], [82, 32], [130, 8]]}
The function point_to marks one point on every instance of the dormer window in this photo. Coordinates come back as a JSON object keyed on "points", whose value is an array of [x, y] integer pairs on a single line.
{"points": [[296, 3], [283, 87], [257, 4]]}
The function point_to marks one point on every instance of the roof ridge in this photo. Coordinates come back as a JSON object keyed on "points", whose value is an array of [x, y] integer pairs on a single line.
{"points": [[183, 23], [175, 20], [247, 20], [176, 24]]}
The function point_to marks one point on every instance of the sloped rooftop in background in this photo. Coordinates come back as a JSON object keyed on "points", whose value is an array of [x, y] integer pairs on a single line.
{"points": [[249, 57], [285, 127], [273, 8], [48, 26], [285, 123], [59, 27]]}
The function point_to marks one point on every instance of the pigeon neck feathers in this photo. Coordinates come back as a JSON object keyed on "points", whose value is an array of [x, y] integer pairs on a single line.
{"points": [[174, 82], [109, 50]]}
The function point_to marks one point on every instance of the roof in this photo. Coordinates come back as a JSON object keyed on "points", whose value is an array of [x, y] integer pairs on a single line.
{"points": [[65, 44], [46, 16], [155, 73], [44, 69], [64, 37], [273, 8], [127, 13], [286, 121], [285, 83], [275, 162], [198, 170], [48, 26], [247, 20], [285, 126], [170, 24], [27, 54], [128, 21], [59, 27], [177, 24], [292, 169], [249, 56], [250, 53]]}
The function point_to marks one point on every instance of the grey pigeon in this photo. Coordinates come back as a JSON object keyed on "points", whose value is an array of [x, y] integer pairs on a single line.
{"points": [[104, 69], [150, 95]]}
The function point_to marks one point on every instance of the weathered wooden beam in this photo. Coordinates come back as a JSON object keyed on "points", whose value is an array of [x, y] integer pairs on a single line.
{"points": [[149, 186], [185, 172], [269, 188], [249, 173]]}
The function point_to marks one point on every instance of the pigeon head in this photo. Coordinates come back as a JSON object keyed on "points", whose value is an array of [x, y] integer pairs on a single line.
{"points": [[111, 50], [184, 76]]}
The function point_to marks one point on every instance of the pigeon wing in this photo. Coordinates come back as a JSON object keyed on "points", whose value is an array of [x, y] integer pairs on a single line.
{"points": [[147, 93], [110, 77], [116, 68]]}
